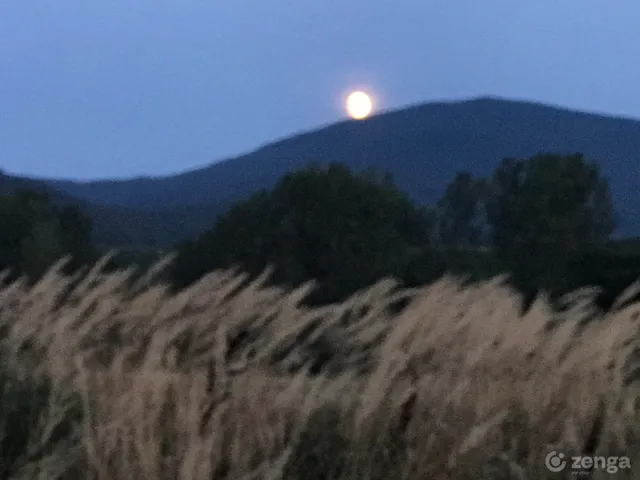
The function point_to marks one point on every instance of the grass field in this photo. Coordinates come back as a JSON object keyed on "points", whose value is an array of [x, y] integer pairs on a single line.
{"points": [[106, 379]]}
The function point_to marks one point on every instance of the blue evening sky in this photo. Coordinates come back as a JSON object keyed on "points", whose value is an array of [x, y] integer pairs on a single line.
{"points": [[119, 88]]}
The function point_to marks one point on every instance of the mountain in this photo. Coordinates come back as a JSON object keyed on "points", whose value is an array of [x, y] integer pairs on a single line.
{"points": [[424, 146]]}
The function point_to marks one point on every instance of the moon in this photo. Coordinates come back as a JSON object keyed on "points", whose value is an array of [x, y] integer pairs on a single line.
{"points": [[359, 105]]}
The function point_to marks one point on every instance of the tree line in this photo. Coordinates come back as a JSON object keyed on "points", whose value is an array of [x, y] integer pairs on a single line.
{"points": [[35, 232], [536, 219], [546, 220]]}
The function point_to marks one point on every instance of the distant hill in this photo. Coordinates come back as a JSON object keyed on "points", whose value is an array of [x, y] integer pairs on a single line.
{"points": [[116, 225], [424, 146]]}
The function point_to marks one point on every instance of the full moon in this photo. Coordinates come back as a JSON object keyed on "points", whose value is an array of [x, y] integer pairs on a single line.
{"points": [[359, 105]]}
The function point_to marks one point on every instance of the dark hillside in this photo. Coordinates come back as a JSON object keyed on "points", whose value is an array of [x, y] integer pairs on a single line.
{"points": [[424, 146]]}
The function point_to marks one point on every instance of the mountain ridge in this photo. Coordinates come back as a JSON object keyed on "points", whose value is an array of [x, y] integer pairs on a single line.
{"points": [[423, 146], [402, 109]]}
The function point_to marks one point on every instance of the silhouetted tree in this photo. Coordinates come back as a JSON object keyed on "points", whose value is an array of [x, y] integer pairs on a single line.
{"points": [[545, 211], [341, 229]]}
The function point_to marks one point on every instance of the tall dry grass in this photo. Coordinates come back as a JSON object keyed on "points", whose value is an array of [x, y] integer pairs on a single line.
{"points": [[215, 383]]}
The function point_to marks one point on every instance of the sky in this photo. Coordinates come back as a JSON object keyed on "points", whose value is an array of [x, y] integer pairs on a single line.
{"points": [[124, 88]]}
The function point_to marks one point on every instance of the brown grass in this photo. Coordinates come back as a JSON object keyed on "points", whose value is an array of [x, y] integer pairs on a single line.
{"points": [[457, 385]]}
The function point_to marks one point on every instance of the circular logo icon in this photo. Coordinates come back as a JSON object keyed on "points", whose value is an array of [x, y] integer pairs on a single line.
{"points": [[555, 462]]}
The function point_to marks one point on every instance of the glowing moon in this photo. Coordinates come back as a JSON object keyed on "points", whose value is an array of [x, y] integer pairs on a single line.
{"points": [[359, 105]]}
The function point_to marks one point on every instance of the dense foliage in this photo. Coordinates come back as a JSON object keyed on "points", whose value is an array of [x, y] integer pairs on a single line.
{"points": [[546, 211], [35, 232], [538, 219], [341, 229], [546, 220]]}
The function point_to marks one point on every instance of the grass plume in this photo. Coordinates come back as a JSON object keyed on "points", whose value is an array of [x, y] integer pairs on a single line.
{"points": [[235, 379]]}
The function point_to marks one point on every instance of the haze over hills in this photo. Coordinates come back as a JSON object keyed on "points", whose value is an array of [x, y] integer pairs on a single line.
{"points": [[424, 146]]}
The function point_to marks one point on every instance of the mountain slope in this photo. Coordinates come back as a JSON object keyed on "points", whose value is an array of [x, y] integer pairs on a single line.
{"points": [[424, 146], [116, 225]]}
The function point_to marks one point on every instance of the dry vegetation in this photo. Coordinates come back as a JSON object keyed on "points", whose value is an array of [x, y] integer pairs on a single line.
{"points": [[107, 378]]}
